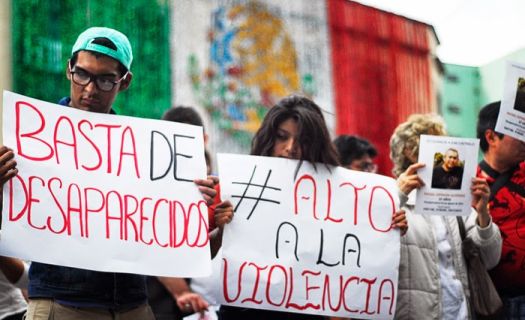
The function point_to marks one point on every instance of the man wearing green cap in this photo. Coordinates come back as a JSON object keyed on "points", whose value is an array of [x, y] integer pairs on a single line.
{"points": [[98, 70]]}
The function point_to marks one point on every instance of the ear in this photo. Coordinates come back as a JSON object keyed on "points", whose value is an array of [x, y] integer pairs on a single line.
{"points": [[206, 139], [68, 75], [491, 136], [124, 84]]}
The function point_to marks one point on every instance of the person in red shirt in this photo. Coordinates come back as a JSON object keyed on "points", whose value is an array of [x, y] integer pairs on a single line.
{"points": [[504, 168]]}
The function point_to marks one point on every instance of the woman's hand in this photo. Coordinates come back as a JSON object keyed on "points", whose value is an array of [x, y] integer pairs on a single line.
{"points": [[206, 187], [190, 302], [187, 301], [399, 221], [480, 198], [223, 214], [409, 180]]}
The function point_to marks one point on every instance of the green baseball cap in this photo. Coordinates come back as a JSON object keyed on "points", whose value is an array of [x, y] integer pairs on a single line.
{"points": [[123, 52]]}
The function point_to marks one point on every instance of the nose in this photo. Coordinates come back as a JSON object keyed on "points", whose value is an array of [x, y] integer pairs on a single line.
{"points": [[292, 149], [289, 146], [90, 87]]}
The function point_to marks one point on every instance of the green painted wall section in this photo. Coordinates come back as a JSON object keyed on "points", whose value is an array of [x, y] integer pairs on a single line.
{"points": [[461, 99], [493, 73], [467, 89]]}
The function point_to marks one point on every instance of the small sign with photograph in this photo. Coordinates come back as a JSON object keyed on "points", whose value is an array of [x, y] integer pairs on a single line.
{"points": [[511, 118], [450, 163]]}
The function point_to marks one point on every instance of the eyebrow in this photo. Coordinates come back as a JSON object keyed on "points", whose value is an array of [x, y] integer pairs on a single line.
{"points": [[98, 75]]}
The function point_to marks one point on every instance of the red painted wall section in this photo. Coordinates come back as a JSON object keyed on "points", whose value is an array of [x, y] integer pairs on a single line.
{"points": [[381, 69]]}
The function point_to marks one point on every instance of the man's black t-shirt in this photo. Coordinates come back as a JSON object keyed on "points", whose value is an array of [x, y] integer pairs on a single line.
{"points": [[442, 179]]}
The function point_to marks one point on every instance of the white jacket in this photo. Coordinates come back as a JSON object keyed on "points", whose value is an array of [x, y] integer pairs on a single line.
{"points": [[419, 288], [11, 299]]}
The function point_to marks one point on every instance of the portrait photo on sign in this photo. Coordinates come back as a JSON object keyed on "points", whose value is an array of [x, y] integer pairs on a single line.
{"points": [[450, 164], [519, 102], [447, 172]]}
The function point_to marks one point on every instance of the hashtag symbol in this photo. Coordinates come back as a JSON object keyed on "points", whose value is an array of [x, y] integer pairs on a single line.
{"points": [[260, 197]]}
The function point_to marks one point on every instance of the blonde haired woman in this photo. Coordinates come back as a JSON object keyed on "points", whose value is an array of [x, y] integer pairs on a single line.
{"points": [[433, 281]]}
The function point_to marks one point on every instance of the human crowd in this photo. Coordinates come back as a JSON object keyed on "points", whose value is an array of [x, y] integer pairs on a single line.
{"points": [[433, 275]]}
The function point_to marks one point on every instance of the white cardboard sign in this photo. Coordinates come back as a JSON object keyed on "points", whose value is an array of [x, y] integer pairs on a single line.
{"points": [[103, 192], [309, 240], [450, 164], [511, 117]]}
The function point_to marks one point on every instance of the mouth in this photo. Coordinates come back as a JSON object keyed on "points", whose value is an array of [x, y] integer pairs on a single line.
{"points": [[89, 102]]}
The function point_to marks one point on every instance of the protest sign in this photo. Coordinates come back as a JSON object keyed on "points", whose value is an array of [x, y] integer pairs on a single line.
{"points": [[309, 240], [450, 164], [103, 192], [511, 117]]}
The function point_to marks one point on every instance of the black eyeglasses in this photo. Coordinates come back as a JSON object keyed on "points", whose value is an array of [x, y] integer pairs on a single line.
{"points": [[363, 166], [83, 78]]}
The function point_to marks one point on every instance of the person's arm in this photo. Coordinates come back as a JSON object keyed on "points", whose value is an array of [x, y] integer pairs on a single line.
{"points": [[223, 214], [7, 165], [187, 301], [219, 213], [13, 269], [7, 171], [480, 200], [215, 241], [479, 226]]}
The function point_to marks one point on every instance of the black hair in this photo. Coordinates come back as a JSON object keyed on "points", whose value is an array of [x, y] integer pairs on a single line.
{"points": [[103, 42], [487, 118], [313, 137], [351, 148], [183, 114]]}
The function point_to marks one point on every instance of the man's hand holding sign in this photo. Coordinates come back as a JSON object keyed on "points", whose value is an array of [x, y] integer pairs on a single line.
{"points": [[118, 186], [7, 165]]}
